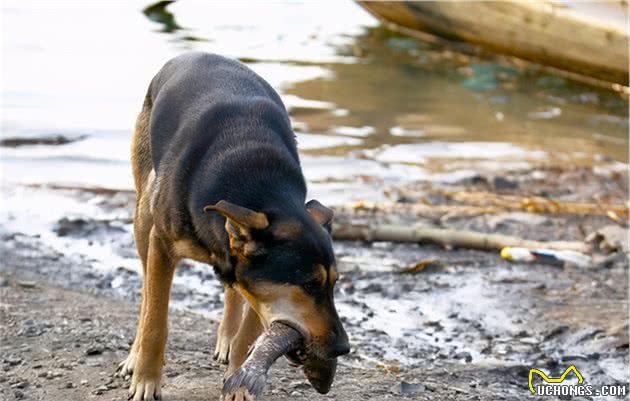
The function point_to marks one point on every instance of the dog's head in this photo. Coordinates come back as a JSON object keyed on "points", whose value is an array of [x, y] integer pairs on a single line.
{"points": [[284, 267]]}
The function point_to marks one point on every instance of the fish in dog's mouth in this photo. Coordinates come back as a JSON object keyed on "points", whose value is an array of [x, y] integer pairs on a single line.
{"points": [[319, 371]]}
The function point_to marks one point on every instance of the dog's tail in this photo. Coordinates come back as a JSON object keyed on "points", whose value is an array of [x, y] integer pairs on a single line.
{"points": [[141, 164]]}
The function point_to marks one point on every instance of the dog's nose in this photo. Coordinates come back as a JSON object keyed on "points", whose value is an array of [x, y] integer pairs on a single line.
{"points": [[340, 349]]}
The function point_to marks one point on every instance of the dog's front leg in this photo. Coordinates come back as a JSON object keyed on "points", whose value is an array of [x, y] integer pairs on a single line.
{"points": [[145, 383], [248, 332], [232, 313]]}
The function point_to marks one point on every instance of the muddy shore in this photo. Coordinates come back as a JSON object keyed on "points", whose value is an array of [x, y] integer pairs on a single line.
{"points": [[467, 329], [61, 344]]}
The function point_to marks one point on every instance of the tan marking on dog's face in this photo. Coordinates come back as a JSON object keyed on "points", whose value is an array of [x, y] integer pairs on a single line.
{"points": [[289, 303], [289, 229], [315, 320]]}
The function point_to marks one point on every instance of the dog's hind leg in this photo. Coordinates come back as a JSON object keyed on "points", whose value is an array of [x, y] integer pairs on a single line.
{"points": [[142, 219], [145, 383], [232, 313]]}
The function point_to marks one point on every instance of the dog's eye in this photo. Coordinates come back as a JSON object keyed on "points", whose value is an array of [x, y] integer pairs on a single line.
{"points": [[317, 280], [312, 285]]}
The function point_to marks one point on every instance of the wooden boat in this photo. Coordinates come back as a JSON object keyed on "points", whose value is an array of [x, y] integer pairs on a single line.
{"points": [[587, 38]]}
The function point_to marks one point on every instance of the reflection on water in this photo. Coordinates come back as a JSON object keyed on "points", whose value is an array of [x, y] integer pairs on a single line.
{"points": [[409, 91], [157, 12], [357, 93]]}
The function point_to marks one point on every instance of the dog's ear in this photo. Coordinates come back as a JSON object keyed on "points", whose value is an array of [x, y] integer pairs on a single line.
{"points": [[320, 213], [239, 222]]}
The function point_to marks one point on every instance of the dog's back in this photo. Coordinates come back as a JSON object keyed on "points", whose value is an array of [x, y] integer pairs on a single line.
{"points": [[217, 131], [196, 91]]}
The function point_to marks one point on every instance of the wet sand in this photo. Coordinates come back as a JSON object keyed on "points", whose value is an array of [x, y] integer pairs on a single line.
{"points": [[470, 328]]}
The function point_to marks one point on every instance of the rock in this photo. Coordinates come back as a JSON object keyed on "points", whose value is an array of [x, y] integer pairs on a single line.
{"points": [[610, 238], [299, 385], [465, 356], [538, 175], [50, 375], [429, 387], [94, 350], [4, 282], [31, 329], [101, 389], [65, 226], [372, 287], [500, 183], [12, 360], [20, 384], [410, 388]]}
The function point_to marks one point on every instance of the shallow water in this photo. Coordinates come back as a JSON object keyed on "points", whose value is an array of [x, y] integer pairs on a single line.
{"points": [[391, 106]]}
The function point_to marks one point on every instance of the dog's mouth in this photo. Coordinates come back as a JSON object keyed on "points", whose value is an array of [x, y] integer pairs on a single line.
{"points": [[319, 371], [297, 357]]}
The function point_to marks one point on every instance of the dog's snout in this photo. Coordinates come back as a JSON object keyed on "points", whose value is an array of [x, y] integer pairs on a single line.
{"points": [[340, 345], [340, 349]]}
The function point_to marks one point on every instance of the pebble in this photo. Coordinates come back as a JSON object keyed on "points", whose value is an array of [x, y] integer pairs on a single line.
{"points": [[503, 183], [465, 356], [409, 388], [100, 390], [13, 360], [538, 175], [299, 384], [94, 350], [50, 375]]}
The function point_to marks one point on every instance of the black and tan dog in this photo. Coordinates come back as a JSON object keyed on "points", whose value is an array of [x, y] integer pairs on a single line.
{"points": [[218, 180]]}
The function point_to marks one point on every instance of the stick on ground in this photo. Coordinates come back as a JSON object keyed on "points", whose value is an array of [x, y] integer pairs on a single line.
{"points": [[446, 237]]}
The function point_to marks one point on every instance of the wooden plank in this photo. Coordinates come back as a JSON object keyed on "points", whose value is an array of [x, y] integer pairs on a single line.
{"points": [[541, 31]]}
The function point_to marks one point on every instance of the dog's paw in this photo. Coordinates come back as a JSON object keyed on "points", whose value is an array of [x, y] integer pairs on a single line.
{"points": [[239, 395], [244, 384], [222, 349], [144, 389], [125, 368]]}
